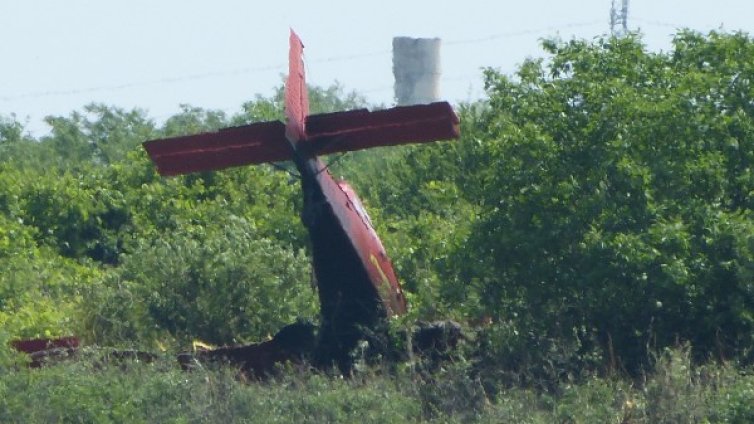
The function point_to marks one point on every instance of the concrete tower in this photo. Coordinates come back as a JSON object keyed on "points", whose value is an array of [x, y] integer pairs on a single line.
{"points": [[416, 67]]}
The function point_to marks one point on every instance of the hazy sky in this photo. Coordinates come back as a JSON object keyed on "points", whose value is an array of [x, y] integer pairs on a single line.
{"points": [[56, 56]]}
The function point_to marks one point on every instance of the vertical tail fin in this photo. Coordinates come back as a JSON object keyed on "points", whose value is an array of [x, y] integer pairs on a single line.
{"points": [[296, 99]]}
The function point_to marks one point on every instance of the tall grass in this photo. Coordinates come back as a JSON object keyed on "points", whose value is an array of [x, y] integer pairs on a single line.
{"points": [[89, 392]]}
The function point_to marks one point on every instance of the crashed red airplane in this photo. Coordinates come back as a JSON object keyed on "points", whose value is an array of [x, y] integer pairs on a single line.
{"points": [[356, 282]]}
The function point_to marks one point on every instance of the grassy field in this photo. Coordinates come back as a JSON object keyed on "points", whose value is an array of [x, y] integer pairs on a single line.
{"points": [[84, 391]]}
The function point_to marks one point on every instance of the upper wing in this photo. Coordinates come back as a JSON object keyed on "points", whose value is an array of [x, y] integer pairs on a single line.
{"points": [[361, 129], [235, 146], [326, 133]]}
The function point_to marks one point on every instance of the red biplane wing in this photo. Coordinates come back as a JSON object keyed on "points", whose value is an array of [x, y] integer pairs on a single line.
{"points": [[236, 146], [325, 134], [361, 129], [322, 134]]}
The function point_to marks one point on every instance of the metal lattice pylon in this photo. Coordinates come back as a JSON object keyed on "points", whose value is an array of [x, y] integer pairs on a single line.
{"points": [[619, 19]]}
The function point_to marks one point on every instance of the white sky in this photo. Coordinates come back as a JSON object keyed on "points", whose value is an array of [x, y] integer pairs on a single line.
{"points": [[57, 56]]}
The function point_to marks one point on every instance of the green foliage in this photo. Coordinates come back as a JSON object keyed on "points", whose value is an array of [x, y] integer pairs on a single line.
{"points": [[676, 384], [734, 403], [193, 120], [321, 100], [679, 391], [11, 131], [596, 401], [15, 238], [40, 294], [220, 283], [79, 202], [17, 148], [101, 134], [615, 194], [160, 392], [421, 248], [87, 390], [39, 290], [76, 215], [515, 353]]}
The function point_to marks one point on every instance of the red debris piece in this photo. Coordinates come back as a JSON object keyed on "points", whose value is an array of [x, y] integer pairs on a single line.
{"points": [[38, 345]]}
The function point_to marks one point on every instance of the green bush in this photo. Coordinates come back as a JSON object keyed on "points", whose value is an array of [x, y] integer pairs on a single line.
{"points": [[41, 293], [219, 283], [15, 238], [615, 193], [734, 402], [595, 401]]}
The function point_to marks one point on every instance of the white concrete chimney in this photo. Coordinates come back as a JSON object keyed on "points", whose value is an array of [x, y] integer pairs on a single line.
{"points": [[416, 67]]}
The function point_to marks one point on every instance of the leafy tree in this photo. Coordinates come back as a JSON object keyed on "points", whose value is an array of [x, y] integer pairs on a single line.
{"points": [[615, 191], [193, 120], [95, 136], [321, 100], [19, 148], [77, 215], [39, 290], [11, 131], [101, 134]]}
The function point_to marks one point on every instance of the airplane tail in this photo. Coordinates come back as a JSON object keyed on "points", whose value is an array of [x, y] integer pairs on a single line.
{"points": [[296, 98]]}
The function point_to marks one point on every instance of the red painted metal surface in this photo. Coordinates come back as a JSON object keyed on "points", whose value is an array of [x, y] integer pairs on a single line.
{"points": [[39, 345], [357, 225], [326, 133], [245, 145], [296, 98], [360, 129]]}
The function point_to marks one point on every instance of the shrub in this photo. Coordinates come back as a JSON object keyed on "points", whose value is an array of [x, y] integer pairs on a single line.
{"points": [[616, 193], [219, 283]]}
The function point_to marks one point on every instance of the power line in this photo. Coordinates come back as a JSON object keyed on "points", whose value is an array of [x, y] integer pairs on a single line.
{"points": [[657, 23], [351, 57], [619, 18], [168, 80], [279, 67], [521, 33]]}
